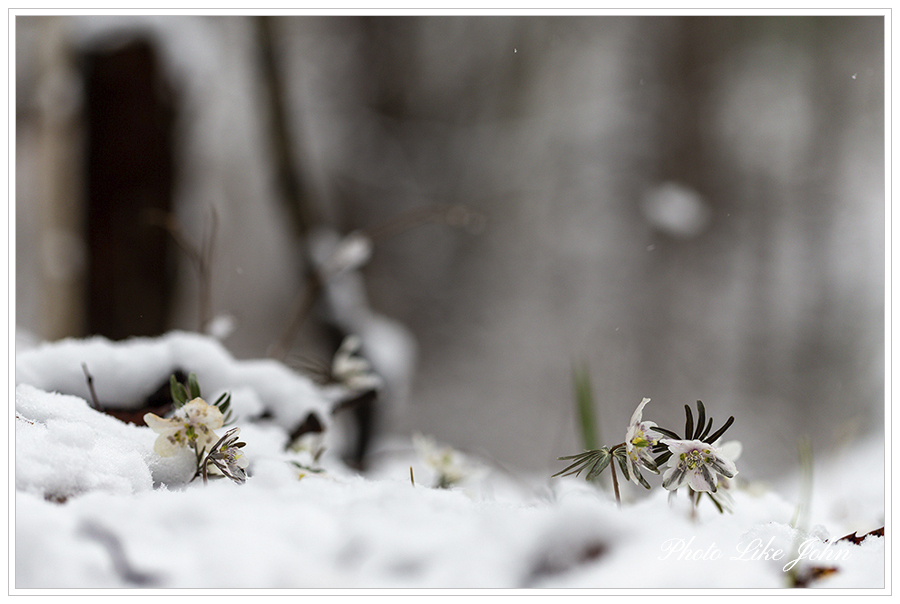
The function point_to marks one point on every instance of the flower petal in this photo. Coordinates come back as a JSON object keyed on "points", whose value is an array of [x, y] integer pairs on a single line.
{"points": [[702, 479], [636, 416], [165, 446], [723, 466], [648, 462], [683, 446], [199, 412], [158, 424], [731, 449], [674, 477]]}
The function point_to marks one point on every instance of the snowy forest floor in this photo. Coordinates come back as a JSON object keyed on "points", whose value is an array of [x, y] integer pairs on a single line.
{"points": [[96, 507]]}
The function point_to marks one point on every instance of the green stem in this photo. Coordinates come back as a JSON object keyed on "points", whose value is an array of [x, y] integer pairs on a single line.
{"points": [[200, 465], [584, 404]]}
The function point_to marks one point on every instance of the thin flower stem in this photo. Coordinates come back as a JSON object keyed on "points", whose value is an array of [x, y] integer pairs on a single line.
{"points": [[612, 467], [198, 456], [615, 478]]}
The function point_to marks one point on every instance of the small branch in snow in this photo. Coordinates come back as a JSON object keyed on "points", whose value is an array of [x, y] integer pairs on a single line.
{"points": [[90, 382], [200, 255], [27, 421]]}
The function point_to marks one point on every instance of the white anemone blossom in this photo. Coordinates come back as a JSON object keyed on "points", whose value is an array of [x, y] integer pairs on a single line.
{"points": [[192, 426], [352, 370], [730, 450], [697, 464], [449, 465], [638, 442], [227, 458]]}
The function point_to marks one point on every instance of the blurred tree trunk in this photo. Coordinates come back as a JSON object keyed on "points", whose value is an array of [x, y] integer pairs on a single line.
{"points": [[130, 174]]}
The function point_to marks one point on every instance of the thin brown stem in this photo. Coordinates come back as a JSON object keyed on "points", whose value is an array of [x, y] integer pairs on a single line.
{"points": [[292, 190], [205, 270], [201, 257], [90, 382], [304, 305], [612, 467]]}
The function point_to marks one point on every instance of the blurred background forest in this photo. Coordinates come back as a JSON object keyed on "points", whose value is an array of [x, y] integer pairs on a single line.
{"points": [[689, 207]]}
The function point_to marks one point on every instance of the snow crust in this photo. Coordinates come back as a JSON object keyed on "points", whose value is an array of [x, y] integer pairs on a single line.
{"points": [[95, 507]]}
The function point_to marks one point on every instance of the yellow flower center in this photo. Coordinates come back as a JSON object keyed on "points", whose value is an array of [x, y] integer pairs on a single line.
{"points": [[694, 459]]}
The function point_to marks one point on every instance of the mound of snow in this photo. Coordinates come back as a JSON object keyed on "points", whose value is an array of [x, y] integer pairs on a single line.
{"points": [[126, 372], [65, 448]]}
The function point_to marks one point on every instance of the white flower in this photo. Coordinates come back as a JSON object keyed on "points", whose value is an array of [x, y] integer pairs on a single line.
{"points": [[729, 450], [350, 254], [447, 463], [697, 464], [638, 442], [191, 426], [351, 370], [226, 457]]}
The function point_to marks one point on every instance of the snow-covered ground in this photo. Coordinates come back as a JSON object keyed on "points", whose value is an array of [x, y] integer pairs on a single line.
{"points": [[97, 507]]}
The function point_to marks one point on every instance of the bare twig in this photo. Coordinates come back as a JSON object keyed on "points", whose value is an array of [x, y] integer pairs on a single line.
{"points": [[292, 190], [205, 270], [201, 256], [457, 216], [303, 305], [90, 382], [27, 421]]}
